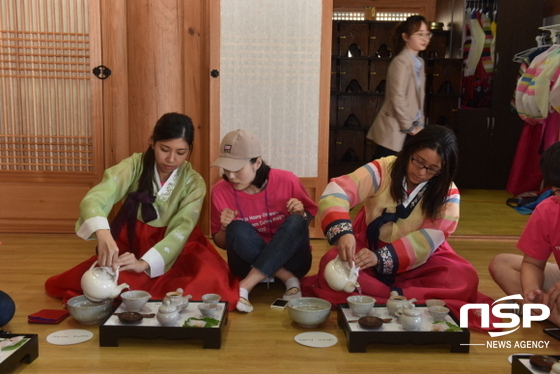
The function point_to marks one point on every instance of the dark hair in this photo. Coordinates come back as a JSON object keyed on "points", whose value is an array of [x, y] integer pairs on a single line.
{"points": [[550, 166], [443, 141], [408, 27], [261, 175], [169, 126]]}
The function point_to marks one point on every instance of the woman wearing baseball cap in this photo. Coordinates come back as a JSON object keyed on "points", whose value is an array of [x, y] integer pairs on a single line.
{"points": [[260, 216]]}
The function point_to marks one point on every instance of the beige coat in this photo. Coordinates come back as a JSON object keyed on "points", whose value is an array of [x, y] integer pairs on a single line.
{"points": [[403, 99]]}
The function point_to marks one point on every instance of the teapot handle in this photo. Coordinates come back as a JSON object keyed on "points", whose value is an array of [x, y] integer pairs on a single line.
{"points": [[93, 265], [116, 275]]}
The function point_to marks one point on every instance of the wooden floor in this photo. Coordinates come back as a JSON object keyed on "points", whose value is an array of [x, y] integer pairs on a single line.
{"points": [[263, 341]]}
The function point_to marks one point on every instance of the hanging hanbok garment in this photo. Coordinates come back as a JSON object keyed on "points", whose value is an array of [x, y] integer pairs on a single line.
{"points": [[493, 29], [546, 81], [551, 130], [523, 65], [525, 174], [523, 85], [555, 91], [535, 137], [524, 59], [477, 44], [466, 83], [487, 57], [536, 98]]}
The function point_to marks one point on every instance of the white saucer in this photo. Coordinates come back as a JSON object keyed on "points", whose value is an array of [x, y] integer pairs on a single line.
{"points": [[68, 337], [316, 339]]}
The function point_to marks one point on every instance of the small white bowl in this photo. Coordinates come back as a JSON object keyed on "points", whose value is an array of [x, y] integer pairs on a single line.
{"points": [[360, 305], [211, 298], [89, 312], [208, 310], [434, 302], [135, 300], [309, 312], [439, 312]]}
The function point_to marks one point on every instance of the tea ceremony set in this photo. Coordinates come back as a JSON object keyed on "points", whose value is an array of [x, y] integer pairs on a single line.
{"points": [[177, 317]]}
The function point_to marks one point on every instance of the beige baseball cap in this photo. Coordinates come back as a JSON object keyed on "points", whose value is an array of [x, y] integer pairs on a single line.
{"points": [[236, 149]]}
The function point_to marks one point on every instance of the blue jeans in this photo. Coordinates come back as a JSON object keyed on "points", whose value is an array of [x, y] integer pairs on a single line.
{"points": [[289, 248]]}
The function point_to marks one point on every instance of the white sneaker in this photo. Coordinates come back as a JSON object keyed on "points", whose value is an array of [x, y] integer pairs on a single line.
{"points": [[296, 295]]}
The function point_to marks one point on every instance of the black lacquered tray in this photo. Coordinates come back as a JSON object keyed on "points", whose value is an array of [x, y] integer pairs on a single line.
{"points": [[112, 329], [392, 333], [520, 365], [10, 359]]}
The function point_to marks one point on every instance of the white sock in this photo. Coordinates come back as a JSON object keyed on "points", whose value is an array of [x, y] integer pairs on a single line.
{"points": [[293, 282], [241, 305]]}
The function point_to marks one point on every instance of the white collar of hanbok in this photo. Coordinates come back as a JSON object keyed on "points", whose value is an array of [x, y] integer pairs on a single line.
{"points": [[163, 192], [413, 194]]}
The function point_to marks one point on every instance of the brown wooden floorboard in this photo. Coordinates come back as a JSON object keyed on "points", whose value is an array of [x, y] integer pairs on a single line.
{"points": [[262, 341]]}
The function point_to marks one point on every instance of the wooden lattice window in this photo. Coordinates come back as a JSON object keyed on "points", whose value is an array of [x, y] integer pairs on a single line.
{"points": [[45, 111]]}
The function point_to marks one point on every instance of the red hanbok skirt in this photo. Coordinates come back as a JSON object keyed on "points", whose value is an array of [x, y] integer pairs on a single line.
{"points": [[446, 276], [199, 269]]}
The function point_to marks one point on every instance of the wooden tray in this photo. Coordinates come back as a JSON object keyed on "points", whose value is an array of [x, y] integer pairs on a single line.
{"points": [[27, 353], [392, 333], [520, 365], [111, 330]]}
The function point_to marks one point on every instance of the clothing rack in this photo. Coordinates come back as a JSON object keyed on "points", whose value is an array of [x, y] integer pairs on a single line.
{"points": [[486, 5], [554, 32]]}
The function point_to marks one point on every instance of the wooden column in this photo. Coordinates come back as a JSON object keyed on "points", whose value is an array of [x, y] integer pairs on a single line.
{"points": [[115, 88], [155, 66]]}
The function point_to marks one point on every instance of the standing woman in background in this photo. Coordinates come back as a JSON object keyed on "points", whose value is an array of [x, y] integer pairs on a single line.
{"points": [[402, 111]]}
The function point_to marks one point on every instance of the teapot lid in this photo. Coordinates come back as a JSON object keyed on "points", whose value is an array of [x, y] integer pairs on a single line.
{"points": [[167, 307], [411, 311], [105, 273]]}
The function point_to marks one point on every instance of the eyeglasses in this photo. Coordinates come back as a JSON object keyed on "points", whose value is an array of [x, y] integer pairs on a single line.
{"points": [[422, 35], [420, 165]]}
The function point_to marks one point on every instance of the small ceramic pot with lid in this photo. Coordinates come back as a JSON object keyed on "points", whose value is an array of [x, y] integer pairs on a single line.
{"points": [[167, 314], [410, 318]]}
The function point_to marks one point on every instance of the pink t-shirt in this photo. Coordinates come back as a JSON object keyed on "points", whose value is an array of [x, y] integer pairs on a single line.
{"points": [[265, 210], [541, 235]]}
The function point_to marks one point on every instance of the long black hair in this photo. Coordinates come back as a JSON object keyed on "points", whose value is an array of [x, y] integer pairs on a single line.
{"points": [[170, 126], [408, 27], [442, 140], [550, 166]]}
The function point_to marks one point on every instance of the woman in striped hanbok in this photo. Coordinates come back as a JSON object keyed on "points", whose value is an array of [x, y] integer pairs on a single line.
{"points": [[398, 238]]}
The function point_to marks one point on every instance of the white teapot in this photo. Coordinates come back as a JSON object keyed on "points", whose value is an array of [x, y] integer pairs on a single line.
{"points": [[168, 313], [396, 302], [177, 298], [100, 283], [410, 318], [341, 276]]}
